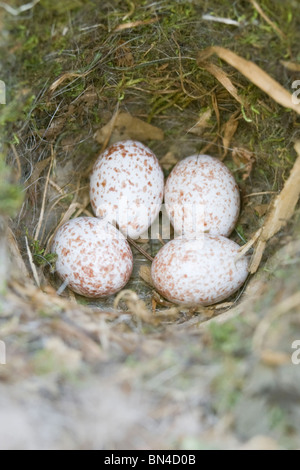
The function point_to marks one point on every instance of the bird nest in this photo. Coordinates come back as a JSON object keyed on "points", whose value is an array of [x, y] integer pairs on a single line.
{"points": [[73, 86]]}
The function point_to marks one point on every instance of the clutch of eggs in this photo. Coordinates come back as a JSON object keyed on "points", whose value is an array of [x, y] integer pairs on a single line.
{"points": [[200, 271], [201, 195], [94, 258], [127, 187]]}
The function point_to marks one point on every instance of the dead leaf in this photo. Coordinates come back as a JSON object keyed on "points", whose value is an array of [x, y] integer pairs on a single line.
{"points": [[89, 97], [124, 57], [145, 274], [168, 161], [292, 66], [261, 209], [65, 77], [280, 212], [274, 358], [163, 67], [254, 73], [160, 300], [222, 77], [135, 24], [228, 130], [200, 125], [215, 105], [128, 127], [244, 159], [135, 305]]}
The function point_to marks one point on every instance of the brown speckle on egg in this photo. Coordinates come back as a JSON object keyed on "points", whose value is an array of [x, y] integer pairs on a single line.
{"points": [[202, 185], [129, 173], [199, 271], [94, 258]]}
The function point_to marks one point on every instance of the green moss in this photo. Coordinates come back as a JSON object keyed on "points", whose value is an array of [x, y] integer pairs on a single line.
{"points": [[41, 258], [62, 8], [11, 195], [228, 338], [228, 386], [47, 362]]}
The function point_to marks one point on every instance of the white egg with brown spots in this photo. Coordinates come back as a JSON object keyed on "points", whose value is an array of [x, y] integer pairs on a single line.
{"points": [[200, 271], [94, 258], [201, 195], [127, 186]]}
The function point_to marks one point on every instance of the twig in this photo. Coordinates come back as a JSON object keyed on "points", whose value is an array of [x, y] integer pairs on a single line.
{"points": [[21, 9], [38, 229], [181, 73], [245, 248], [131, 11], [83, 209], [32, 265], [137, 247], [260, 194], [87, 213], [218, 19], [267, 19], [161, 240], [19, 174], [55, 186], [112, 125]]}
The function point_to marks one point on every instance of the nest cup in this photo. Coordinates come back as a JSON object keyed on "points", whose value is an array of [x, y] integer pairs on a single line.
{"points": [[75, 91]]}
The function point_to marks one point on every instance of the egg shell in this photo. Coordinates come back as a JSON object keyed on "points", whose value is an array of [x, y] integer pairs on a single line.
{"points": [[94, 258], [127, 186], [199, 271], [201, 195]]}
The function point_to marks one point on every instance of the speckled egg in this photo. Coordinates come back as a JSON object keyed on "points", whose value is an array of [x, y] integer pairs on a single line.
{"points": [[199, 271], [201, 195], [94, 258], [127, 186]]}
